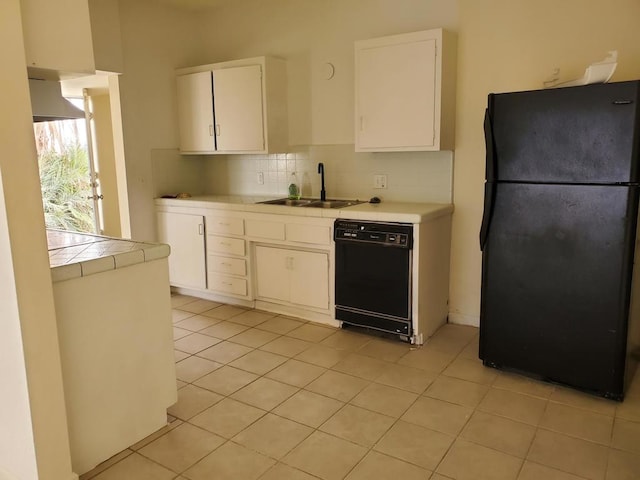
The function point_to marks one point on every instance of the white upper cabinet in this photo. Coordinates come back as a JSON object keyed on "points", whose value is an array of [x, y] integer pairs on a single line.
{"points": [[238, 104], [405, 92], [57, 37], [70, 38], [195, 112], [233, 107]]}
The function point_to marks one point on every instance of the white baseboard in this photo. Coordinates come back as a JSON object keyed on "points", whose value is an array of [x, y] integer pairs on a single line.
{"points": [[464, 319], [74, 476]]}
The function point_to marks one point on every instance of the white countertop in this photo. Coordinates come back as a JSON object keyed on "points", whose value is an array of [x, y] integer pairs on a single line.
{"points": [[73, 255], [384, 211]]}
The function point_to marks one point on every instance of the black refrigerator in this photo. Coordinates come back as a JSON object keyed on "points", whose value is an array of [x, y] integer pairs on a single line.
{"points": [[558, 235]]}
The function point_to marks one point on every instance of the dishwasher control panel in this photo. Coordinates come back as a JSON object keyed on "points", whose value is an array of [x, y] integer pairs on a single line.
{"points": [[388, 234]]}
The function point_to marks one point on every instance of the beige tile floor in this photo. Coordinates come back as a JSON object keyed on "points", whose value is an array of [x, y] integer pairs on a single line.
{"points": [[269, 397]]}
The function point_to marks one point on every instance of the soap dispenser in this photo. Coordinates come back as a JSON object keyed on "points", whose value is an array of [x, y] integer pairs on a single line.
{"points": [[294, 187]]}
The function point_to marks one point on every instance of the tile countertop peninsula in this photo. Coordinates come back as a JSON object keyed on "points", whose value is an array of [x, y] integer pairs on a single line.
{"points": [[114, 329], [74, 255], [384, 211]]}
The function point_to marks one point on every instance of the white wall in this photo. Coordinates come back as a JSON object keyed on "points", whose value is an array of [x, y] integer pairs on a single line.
{"points": [[411, 176], [508, 46], [156, 39], [34, 442], [308, 33]]}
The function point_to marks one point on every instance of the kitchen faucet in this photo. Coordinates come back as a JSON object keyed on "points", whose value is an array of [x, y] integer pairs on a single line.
{"points": [[323, 194]]}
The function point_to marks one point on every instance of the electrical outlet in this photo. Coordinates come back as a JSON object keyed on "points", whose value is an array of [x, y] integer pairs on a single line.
{"points": [[260, 178], [379, 181]]}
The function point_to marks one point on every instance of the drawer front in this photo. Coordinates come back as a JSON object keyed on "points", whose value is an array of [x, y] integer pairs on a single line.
{"points": [[319, 234], [264, 229], [231, 285], [231, 266], [225, 245], [225, 225]]}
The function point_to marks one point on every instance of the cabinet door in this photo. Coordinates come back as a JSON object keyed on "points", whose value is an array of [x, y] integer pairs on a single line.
{"points": [[238, 109], [272, 273], [185, 235], [309, 274], [396, 96], [48, 46], [195, 113]]}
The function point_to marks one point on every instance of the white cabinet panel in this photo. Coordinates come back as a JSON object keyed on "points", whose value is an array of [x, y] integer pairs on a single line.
{"points": [[293, 276], [231, 285], [265, 229], [50, 46], [184, 233], [226, 262], [195, 112], [309, 279], [318, 234], [237, 99], [231, 266], [66, 39], [225, 245], [233, 107], [225, 225], [272, 273], [405, 92], [397, 95]]}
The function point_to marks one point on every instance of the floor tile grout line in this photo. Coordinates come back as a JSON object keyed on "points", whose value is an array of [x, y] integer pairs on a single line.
{"points": [[395, 421], [548, 401]]}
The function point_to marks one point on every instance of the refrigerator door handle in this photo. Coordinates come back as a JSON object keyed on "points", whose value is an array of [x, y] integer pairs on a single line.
{"points": [[488, 139], [489, 194]]}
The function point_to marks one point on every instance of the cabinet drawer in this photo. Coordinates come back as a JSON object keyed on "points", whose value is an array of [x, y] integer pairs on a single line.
{"points": [[225, 225], [225, 245], [320, 234], [232, 266], [224, 284], [264, 229]]}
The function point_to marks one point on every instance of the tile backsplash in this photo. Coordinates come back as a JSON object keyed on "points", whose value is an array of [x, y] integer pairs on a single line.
{"points": [[411, 176]]}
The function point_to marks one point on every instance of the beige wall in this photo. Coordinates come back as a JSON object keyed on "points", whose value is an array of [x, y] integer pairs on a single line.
{"points": [[507, 46], [33, 429], [156, 39], [309, 33]]}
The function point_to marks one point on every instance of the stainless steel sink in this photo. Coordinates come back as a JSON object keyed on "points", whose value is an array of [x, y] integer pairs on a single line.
{"points": [[312, 203], [332, 203], [290, 202]]}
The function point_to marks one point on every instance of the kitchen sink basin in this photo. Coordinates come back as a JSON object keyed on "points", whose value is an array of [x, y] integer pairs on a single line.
{"points": [[290, 202], [312, 203], [332, 203]]}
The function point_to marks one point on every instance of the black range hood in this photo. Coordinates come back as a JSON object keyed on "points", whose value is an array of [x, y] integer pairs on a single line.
{"points": [[48, 104]]}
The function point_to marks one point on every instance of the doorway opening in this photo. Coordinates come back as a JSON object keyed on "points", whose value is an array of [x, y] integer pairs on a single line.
{"points": [[81, 162], [65, 176]]}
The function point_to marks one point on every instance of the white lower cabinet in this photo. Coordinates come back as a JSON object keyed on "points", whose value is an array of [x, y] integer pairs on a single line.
{"points": [[184, 233], [226, 255], [274, 262], [292, 276], [228, 285]]}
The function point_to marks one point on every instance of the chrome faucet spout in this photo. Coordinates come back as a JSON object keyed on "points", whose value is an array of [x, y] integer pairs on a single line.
{"points": [[323, 193]]}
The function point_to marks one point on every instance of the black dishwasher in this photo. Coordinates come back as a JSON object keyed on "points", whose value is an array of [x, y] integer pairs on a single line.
{"points": [[373, 275]]}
